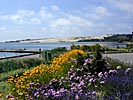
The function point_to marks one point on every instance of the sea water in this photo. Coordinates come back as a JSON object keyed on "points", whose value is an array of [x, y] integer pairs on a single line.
{"points": [[50, 45]]}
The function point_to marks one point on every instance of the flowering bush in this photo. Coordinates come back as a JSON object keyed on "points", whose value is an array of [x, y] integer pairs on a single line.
{"points": [[81, 85], [43, 73], [72, 76]]}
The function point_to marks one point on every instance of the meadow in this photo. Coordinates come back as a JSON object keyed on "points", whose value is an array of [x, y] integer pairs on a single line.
{"points": [[77, 74]]}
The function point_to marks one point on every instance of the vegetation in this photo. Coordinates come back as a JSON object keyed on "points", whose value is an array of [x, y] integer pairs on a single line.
{"points": [[74, 74], [10, 65], [119, 38], [91, 48], [129, 46], [113, 38], [97, 47]]}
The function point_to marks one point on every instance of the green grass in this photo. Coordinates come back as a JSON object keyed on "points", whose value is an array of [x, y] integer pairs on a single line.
{"points": [[4, 88], [4, 85], [4, 76], [115, 50], [10, 65]]}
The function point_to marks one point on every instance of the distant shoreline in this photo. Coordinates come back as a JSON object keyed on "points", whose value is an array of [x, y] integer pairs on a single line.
{"points": [[106, 38]]}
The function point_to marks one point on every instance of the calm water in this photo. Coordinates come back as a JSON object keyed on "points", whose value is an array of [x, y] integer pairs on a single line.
{"points": [[48, 46]]}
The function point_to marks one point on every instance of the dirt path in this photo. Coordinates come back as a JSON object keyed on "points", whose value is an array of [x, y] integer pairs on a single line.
{"points": [[124, 57]]}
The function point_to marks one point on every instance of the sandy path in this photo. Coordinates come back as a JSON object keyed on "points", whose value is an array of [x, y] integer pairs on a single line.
{"points": [[124, 57]]}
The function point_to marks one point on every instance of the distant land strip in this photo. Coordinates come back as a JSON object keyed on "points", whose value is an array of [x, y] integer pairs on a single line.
{"points": [[105, 38]]}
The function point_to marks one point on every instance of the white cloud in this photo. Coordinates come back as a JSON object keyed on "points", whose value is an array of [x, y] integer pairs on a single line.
{"points": [[54, 7], [25, 12], [124, 5], [34, 21], [101, 11], [17, 18], [60, 22], [44, 14], [78, 21], [94, 12], [2, 28]]}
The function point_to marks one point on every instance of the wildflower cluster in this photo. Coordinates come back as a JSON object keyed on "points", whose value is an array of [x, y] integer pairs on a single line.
{"points": [[72, 76], [77, 85], [83, 85], [42, 73]]}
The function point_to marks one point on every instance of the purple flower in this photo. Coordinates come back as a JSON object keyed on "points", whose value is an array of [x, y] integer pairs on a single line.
{"points": [[73, 84], [92, 80], [100, 74], [127, 70], [94, 93], [36, 94], [77, 69], [74, 88], [53, 92], [88, 60], [62, 90], [46, 95], [85, 64], [77, 97], [112, 71], [31, 84], [58, 94], [80, 91], [82, 83]]}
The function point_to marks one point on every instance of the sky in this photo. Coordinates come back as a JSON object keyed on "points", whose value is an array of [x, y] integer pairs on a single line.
{"points": [[34, 19]]}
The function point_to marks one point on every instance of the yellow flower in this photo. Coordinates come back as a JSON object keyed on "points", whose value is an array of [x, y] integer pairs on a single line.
{"points": [[1, 95], [20, 94]]}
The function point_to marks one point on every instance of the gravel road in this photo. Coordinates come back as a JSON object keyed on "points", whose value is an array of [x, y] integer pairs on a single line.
{"points": [[124, 57]]}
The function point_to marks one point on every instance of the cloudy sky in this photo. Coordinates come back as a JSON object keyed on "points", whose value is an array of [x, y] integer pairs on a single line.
{"points": [[22, 19]]}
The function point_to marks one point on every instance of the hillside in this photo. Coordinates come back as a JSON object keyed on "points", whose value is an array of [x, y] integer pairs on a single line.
{"points": [[105, 38]]}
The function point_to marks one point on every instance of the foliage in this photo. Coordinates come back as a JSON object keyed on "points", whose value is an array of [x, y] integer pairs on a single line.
{"points": [[9, 65], [118, 38], [43, 73], [91, 48], [74, 75], [129, 46], [4, 87], [80, 84], [75, 47]]}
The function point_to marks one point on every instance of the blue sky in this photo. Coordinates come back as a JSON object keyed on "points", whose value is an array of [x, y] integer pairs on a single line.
{"points": [[23, 19]]}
